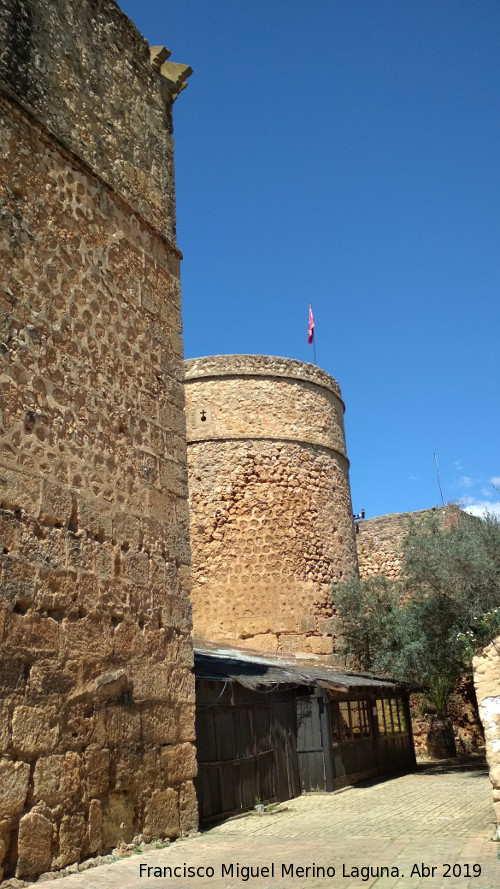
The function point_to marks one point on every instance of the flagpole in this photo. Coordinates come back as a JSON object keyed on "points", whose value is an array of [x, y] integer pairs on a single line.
{"points": [[311, 339]]}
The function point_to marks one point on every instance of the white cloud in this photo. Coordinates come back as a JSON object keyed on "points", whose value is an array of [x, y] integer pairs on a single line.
{"points": [[465, 481], [467, 501], [481, 507], [495, 481]]}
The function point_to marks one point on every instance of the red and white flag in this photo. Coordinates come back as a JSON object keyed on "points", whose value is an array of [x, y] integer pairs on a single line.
{"points": [[310, 326]]}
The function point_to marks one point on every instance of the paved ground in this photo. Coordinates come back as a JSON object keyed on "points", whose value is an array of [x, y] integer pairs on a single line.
{"points": [[440, 817]]}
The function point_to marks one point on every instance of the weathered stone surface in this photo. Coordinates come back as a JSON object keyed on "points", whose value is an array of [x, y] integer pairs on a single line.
{"points": [[162, 814], [34, 846], [179, 763], [487, 682], [188, 808], [72, 837], [57, 779], [97, 762], [14, 777], [271, 515], [94, 585], [142, 173], [56, 504], [4, 729], [117, 819], [35, 730], [162, 725], [94, 839]]}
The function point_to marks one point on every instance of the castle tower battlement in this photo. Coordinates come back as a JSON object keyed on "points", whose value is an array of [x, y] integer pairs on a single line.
{"points": [[270, 506]]}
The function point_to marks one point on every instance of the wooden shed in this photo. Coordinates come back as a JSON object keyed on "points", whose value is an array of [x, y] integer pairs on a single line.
{"points": [[268, 728]]}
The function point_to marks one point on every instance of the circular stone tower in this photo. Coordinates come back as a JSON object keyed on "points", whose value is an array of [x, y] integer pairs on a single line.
{"points": [[270, 506]]}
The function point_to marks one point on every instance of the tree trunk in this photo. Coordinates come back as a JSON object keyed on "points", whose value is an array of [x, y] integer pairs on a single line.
{"points": [[440, 738]]}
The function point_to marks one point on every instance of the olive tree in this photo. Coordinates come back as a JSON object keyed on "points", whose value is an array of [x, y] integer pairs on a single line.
{"points": [[425, 628]]}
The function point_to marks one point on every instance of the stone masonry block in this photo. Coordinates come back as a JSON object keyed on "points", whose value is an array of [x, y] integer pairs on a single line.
{"points": [[149, 300], [152, 682], [328, 625], [117, 819], [35, 730], [9, 530], [72, 836], [14, 777], [117, 726], [56, 504], [173, 478], [97, 762], [307, 623], [318, 644], [94, 517], [18, 582], [262, 641], [94, 840], [160, 506], [56, 590], [185, 723], [90, 636], [177, 544], [47, 780], [129, 772], [31, 634], [176, 612], [49, 678], [34, 846], [172, 418], [161, 724], [161, 817], [188, 808], [19, 491], [181, 685], [4, 728], [179, 763], [126, 530]]}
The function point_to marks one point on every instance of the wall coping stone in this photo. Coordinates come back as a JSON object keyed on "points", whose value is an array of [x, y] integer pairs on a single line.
{"points": [[258, 366]]}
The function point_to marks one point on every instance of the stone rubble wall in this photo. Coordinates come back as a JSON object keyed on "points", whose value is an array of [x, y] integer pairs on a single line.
{"points": [[96, 690], [270, 507], [84, 70], [379, 541], [487, 682]]}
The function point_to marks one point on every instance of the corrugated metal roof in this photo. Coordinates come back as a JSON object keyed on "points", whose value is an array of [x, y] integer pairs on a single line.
{"points": [[254, 670]]}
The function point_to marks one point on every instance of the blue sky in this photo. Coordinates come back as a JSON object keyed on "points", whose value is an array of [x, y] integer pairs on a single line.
{"points": [[346, 153]]}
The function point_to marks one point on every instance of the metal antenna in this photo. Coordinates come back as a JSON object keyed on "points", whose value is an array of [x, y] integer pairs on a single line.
{"points": [[437, 473]]}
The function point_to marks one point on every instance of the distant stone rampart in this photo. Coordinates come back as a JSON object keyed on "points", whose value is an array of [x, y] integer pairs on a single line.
{"points": [[379, 542], [379, 539]]}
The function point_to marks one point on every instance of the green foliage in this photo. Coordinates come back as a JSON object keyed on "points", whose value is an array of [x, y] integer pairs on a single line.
{"points": [[425, 629], [367, 611]]}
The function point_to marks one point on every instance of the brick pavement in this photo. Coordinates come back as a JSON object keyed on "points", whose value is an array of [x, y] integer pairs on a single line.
{"points": [[438, 816]]}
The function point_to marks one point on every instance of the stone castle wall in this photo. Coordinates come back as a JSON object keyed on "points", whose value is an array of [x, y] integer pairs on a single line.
{"points": [[487, 682], [270, 507], [379, 539], [97, 698]]}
